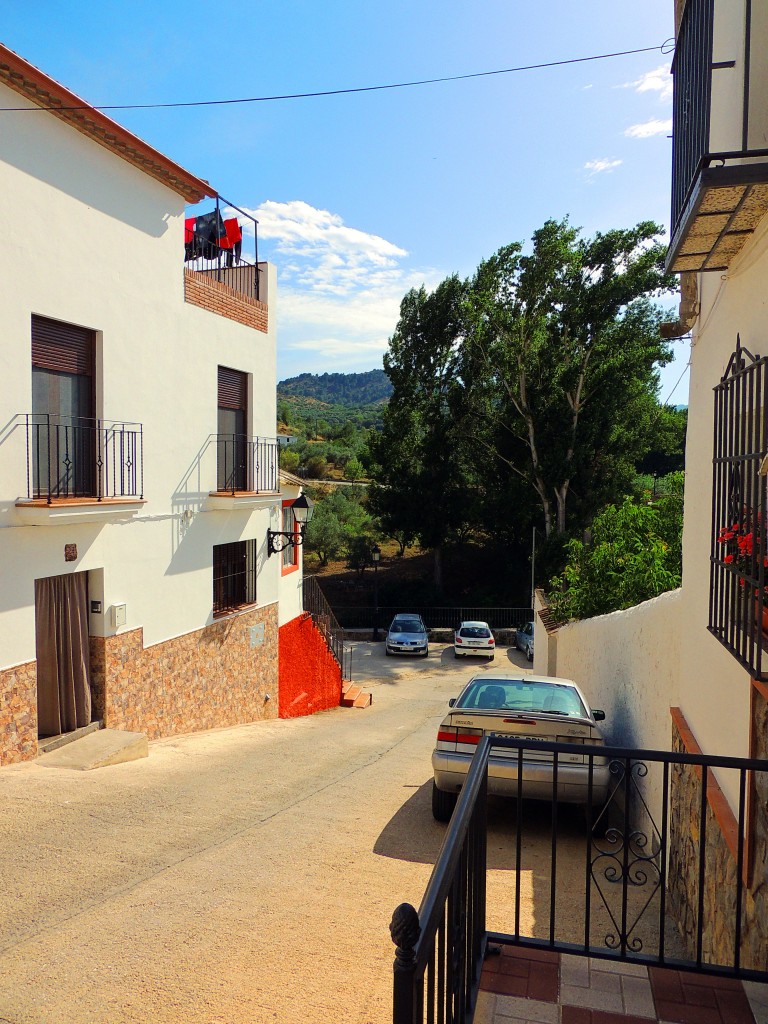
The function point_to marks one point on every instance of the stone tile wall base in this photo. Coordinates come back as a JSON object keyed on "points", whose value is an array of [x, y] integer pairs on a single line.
{"points": [[18, 713], [720, 876], [207, 679], [310, 677]]}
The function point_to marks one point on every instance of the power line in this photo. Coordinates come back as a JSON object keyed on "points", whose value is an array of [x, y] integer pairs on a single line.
{"points": [[343, 92]]}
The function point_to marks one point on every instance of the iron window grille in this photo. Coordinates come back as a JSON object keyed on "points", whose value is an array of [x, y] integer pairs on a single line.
{"points": [[739, 512], [234, 576], [289, 552]]}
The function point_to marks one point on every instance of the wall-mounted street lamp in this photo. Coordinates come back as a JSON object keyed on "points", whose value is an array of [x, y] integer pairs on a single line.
{"points": [[375, 556], [278, 540]]}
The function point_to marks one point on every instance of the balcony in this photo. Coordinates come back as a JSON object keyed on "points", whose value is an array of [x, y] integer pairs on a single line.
{"points": [[719, 163], [79, 467], [247, 471], [222, 269]]}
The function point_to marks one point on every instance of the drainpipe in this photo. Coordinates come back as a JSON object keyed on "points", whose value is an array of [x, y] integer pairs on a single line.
{"points": [[689, 308]]}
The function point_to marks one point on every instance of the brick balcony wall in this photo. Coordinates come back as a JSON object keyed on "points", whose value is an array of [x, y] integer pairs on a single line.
{"points": [[217, 297], [310, 677]]}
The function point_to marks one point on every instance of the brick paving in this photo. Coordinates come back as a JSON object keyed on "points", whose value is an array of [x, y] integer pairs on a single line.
{"points": [[524, 986]]}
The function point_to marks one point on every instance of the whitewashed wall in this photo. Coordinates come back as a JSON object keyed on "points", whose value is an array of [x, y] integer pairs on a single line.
{"points": [[98, 243]]}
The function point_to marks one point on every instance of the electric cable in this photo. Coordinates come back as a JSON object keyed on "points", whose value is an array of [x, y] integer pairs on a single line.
{"points": [[340, 92]]}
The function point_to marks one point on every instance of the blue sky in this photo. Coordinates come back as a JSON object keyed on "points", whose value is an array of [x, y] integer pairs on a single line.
{"points": [[360, 197]]}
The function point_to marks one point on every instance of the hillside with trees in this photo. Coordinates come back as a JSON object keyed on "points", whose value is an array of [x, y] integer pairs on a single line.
{"points": [[347, 389]]}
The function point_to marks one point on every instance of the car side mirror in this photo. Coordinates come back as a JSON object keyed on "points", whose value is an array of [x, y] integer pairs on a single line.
{"points": [[599, 716], [451, 702]]}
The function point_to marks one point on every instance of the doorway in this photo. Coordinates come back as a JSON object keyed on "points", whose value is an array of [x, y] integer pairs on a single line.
{"points": [[63, 654]]}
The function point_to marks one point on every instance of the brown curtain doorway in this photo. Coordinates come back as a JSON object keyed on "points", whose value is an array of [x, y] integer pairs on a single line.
{"points": [[63, 655]]}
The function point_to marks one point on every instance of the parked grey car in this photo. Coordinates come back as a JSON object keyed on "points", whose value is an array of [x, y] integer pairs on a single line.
{"points": [[524, 640], [527, 708], [407, 635]]}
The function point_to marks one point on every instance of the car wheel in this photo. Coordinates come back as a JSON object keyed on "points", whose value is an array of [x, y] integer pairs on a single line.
{"points": [[426, 653], [491, 657], [529, 654], [388, 652], [442, 803], [517, 645], [456, 653]]}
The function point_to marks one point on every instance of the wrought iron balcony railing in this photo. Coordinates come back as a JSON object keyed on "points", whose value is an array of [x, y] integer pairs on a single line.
{"points": [[79, 457], [246, 464]]}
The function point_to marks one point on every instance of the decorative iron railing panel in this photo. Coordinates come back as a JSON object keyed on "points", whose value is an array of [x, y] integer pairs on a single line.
{"points": [[79, 457], [692, 73], [355, 617], [644, 854], [250, 464], [739, 509], [324, 619]]}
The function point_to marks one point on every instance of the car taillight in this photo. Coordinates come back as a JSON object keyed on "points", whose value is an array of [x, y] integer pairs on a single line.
{"points": [[458, 639], [468, 735], [446, 734], [491, 641]]}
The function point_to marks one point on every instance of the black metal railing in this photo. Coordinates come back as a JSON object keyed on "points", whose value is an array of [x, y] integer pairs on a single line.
{"points": [[738, 595], [646, 858], [214, 243], [440, 948], [244, 463], [355, 617], [317, 606], [692, 73], [80, 457]]}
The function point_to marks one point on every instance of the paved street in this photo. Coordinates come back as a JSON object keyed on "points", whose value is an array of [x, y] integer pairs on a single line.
{"points": [[246, 874]]}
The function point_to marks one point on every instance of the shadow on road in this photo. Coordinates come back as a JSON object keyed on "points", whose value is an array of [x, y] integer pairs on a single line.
{"points": [[412, 834]]}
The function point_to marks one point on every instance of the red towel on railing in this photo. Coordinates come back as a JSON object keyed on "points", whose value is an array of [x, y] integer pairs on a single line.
{"points": [[234, 234]]}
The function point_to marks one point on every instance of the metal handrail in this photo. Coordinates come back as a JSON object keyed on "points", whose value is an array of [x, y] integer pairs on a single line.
{"points": [[316, 604], [249, 464]]}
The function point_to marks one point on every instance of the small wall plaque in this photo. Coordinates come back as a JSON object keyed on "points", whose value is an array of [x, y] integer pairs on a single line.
{"points": [[257, 634], [70, 552], [95, 607]]}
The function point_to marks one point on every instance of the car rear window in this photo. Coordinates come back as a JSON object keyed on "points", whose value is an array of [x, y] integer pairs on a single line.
{"points": [[519, 695], [474, 633], [407, 625]]}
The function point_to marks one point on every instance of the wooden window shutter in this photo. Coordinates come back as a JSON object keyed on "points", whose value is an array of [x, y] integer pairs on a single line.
{"points": [[62, 347], [233, 389]]}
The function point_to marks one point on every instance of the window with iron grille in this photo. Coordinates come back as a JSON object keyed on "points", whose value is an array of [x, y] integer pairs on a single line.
{"points": [[234, 576], [289, 552], [738, 571]]}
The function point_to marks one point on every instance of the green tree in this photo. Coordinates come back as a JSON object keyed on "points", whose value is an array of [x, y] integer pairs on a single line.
{"points": [[324, 533], [289, 460], [634, 553], [559, 363], [353, 469], [316, 467], [425, 481]]}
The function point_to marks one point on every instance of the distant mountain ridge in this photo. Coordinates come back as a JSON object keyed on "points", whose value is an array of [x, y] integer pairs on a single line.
{"points": [[348, 389]]}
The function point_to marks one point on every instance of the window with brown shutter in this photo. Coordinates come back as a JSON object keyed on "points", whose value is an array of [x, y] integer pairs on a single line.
{"points": [[63, 348], [232, 443]]}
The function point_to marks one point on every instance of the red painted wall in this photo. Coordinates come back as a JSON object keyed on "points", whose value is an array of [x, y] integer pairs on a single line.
{"points": [[310, 678]]}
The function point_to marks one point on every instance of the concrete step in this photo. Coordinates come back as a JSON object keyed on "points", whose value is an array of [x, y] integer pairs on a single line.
{"points": [[97, 750], [356, 697]]}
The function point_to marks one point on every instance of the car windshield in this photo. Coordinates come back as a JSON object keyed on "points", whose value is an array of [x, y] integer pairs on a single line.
{"points": [[410, 625], [475, 632], [522, 695]]}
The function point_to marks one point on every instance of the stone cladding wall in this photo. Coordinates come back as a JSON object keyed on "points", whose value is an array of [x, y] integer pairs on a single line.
{"points": [[310, 677], [203, 680], [720, 861], [221, 298], [18, 713]]}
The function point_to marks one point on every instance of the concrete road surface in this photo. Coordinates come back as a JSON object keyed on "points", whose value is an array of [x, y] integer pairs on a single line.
{"points": [[241, 875]]}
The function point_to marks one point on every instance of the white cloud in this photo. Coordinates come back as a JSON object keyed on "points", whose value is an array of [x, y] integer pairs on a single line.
{"points": [[649, 128], [659, 80], [340, 288], [601, 166]]}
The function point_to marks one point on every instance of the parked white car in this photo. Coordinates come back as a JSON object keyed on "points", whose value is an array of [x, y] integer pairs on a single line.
{"points": [[474, 638]]}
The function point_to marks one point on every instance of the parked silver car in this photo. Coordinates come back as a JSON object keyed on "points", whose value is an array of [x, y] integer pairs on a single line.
{"points": [[524, 640], [525, 707], [407, 635]]}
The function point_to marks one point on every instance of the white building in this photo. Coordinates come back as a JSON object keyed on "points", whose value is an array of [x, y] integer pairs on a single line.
{"points": [[138, 464]]}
